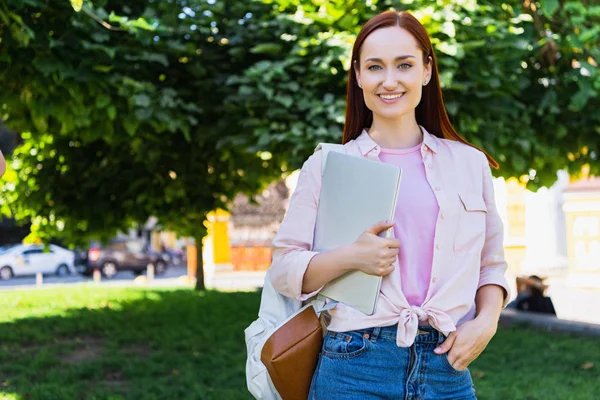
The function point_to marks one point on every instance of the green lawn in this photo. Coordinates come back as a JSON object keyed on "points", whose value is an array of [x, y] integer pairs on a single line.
{"points": [[114, 343]]}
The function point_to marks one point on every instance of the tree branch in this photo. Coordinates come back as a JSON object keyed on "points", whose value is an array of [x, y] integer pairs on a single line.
{"points": [[100, 20]]}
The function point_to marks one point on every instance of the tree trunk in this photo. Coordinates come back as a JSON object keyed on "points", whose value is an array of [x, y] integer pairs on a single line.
{"points": [[199, 266]]}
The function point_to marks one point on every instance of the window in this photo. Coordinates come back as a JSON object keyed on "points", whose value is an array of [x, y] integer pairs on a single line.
{"points": [[33, 251]]}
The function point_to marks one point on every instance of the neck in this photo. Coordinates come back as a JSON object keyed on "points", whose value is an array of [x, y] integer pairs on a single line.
{"points": [[400, 133]]}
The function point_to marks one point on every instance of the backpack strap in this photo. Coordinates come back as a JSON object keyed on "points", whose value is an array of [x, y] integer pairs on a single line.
{"points": [[326, 148]]}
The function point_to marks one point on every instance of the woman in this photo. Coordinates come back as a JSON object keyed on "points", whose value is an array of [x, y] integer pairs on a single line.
{"points": [[443, 281]]}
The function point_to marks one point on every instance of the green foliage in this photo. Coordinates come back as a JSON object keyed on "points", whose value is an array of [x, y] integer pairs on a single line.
{"points": [[519, 82], [120, 123], [171, 108]]}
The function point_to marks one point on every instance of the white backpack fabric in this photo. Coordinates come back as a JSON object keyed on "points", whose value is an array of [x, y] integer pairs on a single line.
{"points": [[275, 310]]}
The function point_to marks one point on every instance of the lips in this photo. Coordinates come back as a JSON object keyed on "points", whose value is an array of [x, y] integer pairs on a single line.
{"points": [[389, 98]]}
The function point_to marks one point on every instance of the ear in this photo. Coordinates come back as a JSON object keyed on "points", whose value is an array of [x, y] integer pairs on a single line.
{"points": [[357, 73], [428, 70]]}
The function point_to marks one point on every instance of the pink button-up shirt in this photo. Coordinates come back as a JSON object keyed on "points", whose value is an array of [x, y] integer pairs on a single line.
{"points": [[468, 251]]}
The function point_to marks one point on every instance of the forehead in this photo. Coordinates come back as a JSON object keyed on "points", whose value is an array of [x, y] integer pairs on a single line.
{"points": [[388, 43]]}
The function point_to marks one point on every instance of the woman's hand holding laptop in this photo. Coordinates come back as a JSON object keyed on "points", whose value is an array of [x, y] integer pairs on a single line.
{"points": [[373, 254]]}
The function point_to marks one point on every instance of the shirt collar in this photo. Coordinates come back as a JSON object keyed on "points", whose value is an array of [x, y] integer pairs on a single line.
{"points": [[367, 144]]}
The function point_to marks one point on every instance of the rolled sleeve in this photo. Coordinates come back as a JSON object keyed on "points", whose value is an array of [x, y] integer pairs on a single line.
{"points": [[292, 245], [288, 273], [493, 262]]}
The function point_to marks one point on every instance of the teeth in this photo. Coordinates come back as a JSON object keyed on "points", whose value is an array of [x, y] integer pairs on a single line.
{"points": [[390, 97]]}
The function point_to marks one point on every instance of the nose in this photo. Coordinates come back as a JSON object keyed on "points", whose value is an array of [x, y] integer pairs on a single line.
{"points": [[390, 82]]}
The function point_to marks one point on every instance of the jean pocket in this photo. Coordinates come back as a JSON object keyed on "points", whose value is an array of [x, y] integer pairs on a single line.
{"points": [[450, 367], [343, 345]]}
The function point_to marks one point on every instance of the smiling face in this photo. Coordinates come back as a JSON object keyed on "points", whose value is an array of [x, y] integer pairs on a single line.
{"points": [[391, 72]]}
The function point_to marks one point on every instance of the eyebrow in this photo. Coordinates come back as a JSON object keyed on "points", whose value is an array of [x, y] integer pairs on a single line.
{"points": [[374, 59]]}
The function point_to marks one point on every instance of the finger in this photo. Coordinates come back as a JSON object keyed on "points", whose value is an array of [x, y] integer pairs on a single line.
{"points": [[459, 364], [388, 270], [446, 345], [454, 359], [380, 227], [383, 271], [392, 253], [390, 262], [392, 243]]}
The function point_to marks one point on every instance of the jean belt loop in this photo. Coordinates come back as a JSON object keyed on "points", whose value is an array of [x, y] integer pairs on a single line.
{"points": [[375, 334], [441, 337]]}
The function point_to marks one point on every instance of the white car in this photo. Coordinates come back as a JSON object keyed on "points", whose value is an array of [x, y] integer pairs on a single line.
{"points": [[29, 259]]}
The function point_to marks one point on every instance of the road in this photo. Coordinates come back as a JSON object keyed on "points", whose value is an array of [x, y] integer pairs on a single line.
{"points": [[122, 278]]}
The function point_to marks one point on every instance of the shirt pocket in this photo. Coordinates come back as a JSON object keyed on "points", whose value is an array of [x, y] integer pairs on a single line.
{"points": [[470, 230]]}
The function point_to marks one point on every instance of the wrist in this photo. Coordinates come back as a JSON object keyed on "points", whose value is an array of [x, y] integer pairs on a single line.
{"points": [[348, 258], [488, 320]]}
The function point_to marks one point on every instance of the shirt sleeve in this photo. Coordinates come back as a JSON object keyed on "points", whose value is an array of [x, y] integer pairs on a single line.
{"points": [[292, 245], [493, 262]]}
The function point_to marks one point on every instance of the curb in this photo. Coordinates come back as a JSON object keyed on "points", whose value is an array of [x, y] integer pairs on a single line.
{"points": [[548, 323]]}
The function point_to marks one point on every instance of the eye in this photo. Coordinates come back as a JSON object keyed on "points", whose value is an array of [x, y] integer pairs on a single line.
{"points": [[405, 66], [374, 67]]}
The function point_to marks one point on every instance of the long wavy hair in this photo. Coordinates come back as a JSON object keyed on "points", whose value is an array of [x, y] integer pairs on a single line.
{"points": [[430, 113]]}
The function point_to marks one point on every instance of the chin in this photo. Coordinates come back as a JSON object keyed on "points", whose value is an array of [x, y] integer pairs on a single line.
{"points": [[393, 114]]}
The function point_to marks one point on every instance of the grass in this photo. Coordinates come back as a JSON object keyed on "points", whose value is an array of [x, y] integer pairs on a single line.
{"points": [[115, 343]]}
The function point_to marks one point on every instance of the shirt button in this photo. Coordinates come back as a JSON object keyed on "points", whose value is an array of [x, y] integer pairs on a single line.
{"points": [[433, 279], [442, 216], [429, 166], [437, 189], [437, 246]]}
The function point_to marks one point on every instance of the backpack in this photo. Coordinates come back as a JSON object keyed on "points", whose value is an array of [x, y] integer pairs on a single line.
{"points": [[275, 309]]}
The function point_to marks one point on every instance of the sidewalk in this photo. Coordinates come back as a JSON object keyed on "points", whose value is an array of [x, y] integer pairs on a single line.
{"points": [[572, 300], [236, 281]]}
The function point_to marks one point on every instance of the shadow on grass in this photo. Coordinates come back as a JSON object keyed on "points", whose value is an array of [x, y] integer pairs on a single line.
{"points": [[164, 345]]}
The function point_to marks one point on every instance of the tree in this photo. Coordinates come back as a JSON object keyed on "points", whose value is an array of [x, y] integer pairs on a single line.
{"points": [[520, 81], [171, 108], [119, 123]]}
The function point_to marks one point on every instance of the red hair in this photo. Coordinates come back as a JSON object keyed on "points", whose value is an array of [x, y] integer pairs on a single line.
{"points": [[430, 113]]}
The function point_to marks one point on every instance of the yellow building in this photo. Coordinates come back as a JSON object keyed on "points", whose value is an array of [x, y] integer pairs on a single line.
{"points": [[582, 210], [515, 230]]}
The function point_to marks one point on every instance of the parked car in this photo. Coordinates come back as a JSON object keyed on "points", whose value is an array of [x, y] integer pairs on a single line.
{"points": [[29, 259], [122, 255]]}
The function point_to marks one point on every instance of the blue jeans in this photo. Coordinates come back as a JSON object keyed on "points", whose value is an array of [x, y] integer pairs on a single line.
{"points": [[367, 364]]}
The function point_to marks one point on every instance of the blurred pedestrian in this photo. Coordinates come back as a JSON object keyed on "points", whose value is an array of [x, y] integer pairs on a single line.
{"points": [[531, 296]]}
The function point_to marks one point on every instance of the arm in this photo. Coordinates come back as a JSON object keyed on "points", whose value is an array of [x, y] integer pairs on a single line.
{"points": [[299, 272], [470, 339], [370, 254], [488, 303], [493, 263], [296, 270]]}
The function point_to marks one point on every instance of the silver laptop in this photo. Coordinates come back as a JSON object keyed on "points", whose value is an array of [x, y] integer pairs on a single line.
{"points": [[356, 193]]}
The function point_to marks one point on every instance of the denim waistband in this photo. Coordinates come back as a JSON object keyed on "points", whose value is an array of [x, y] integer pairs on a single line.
{"points": [[425, 333]]}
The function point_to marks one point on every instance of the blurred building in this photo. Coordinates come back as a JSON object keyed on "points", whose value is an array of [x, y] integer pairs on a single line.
{"points": [[251, 227], [582, 213], [552, 232]]}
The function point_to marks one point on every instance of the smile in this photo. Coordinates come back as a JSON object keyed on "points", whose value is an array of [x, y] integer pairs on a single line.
{"points": [[390, 98]]}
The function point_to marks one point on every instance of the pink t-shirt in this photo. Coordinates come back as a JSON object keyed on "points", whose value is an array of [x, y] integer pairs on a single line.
{"points": [[416, 217]]}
